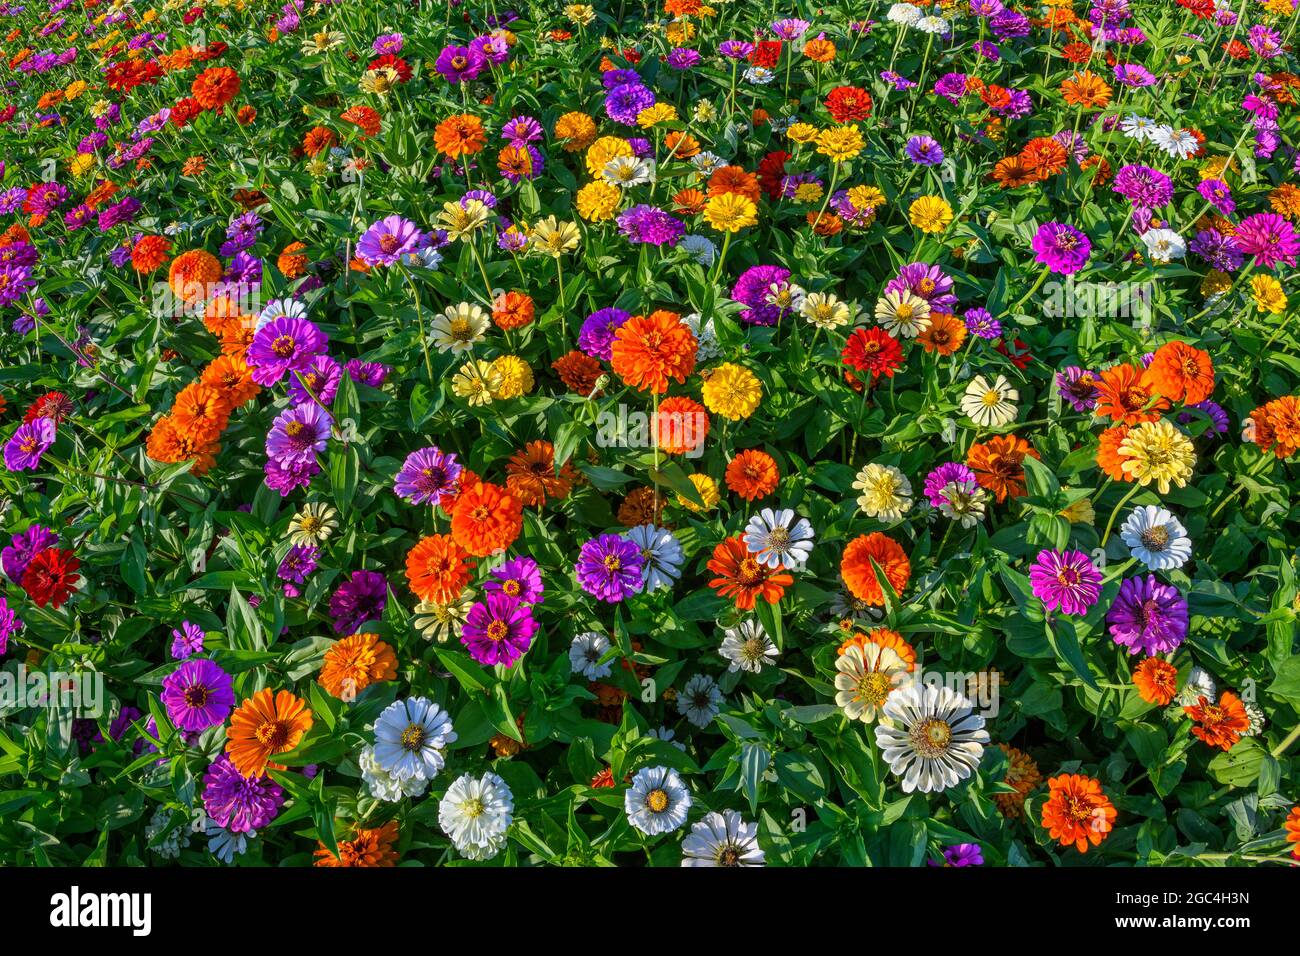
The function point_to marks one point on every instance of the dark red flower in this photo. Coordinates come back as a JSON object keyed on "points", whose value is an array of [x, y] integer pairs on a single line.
{"points": [[51, 577], [52, 405]]}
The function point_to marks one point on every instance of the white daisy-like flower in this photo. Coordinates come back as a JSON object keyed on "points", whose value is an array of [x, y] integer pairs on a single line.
{"points": [[886, 492], [706, 336], [722, 839], [964, 501], [280, 309], [747, 647], [1164, 245], [1137, 127], [628, 171], [410, 737], [1156, 538], [700, 248], [903, 313], [657, 800], [933, 24], [777, 540], [476, 813], [1199, 684], [426, 258], [667, 734], [707, 163], [1175, 143], [661, 555], [758, 75], [225, 845], [825, 311], [459, 328], [1255, 717], [382, 784], [585, 652], [931, 737], [864, 679], [700, 700], [903, 13], [989, 405]]}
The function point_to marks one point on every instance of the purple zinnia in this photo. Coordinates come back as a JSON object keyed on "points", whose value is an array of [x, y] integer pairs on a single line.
{"points": [[299, 433], [752, 288], [596, 337], [1268, 237], [651, 225], [24, 449], [1065, 580], [1061, 247], [10, 624], [427, 476], [498, 630], [460, 63], [924, 151], [624, 103], [925, 281], [198, 695], [1148, 616], [387, 240], [298, 564], [187, 641], [1078, 387], [961, 854], [609, 568], [1143, 186], [238, 803], [518, 578], [359, 599], [981, 323], [283, 345], [23, 547]]}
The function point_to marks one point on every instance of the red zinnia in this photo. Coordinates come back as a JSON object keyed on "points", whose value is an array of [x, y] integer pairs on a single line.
{"points": [[873, 350], [847, 104], [51, 577]]}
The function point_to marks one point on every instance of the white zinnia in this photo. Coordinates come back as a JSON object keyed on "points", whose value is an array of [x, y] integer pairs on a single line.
{"points": [[661, 554], [382, 784], [747, 647], [865, 678], [1156, 538], [777, 540], [930, 737], [886, 492], [476, 813], [722, 839], [989, 405], [1164, 244], [459, 328], [585, 653], [700, 700], [410, 737], [657, 800]]}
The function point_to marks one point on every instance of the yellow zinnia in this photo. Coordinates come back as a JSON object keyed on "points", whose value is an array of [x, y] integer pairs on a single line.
{"points": [[598, 200], [1268, 294], [516, 377], [930, 214], [605, 149], [732, 391], [730, 212], [840, 143], [1158, 452], [706, 488]]}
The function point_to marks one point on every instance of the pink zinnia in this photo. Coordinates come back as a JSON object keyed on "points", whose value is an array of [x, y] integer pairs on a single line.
{"points": [[1065, 580], [1269, 237]]}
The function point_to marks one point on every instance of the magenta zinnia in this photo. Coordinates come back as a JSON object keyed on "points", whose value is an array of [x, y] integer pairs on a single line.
{"points": [[1065, 581]]}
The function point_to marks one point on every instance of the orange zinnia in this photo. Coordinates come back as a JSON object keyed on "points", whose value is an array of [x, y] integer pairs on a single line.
{"points": [[858, 573], [201, 410], [1126, 396], [215, 87], [743, 579], [513, 310], [460, 135], [485, 519], [150, 253], [681, 425], [263, 726], [1292, 827], [734, 179], [291, 262], [170, 444], [752, 474], [1023, 775], [1220, 725], [1277, 426], [369, 848], [438, 569], [1077, 812], [944, 335], [649, 350], [1046, 155], [231, 376], [999, 465], [531, 477], [578, 371], [1086, 89], [364, 118], [318, 139], [641, 506], [1109, 458], [1156, 681], [1181, 373], [192, 274], [354, 663]]}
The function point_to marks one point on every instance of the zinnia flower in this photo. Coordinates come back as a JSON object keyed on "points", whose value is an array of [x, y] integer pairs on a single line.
{"points": [[1065, 580]]}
